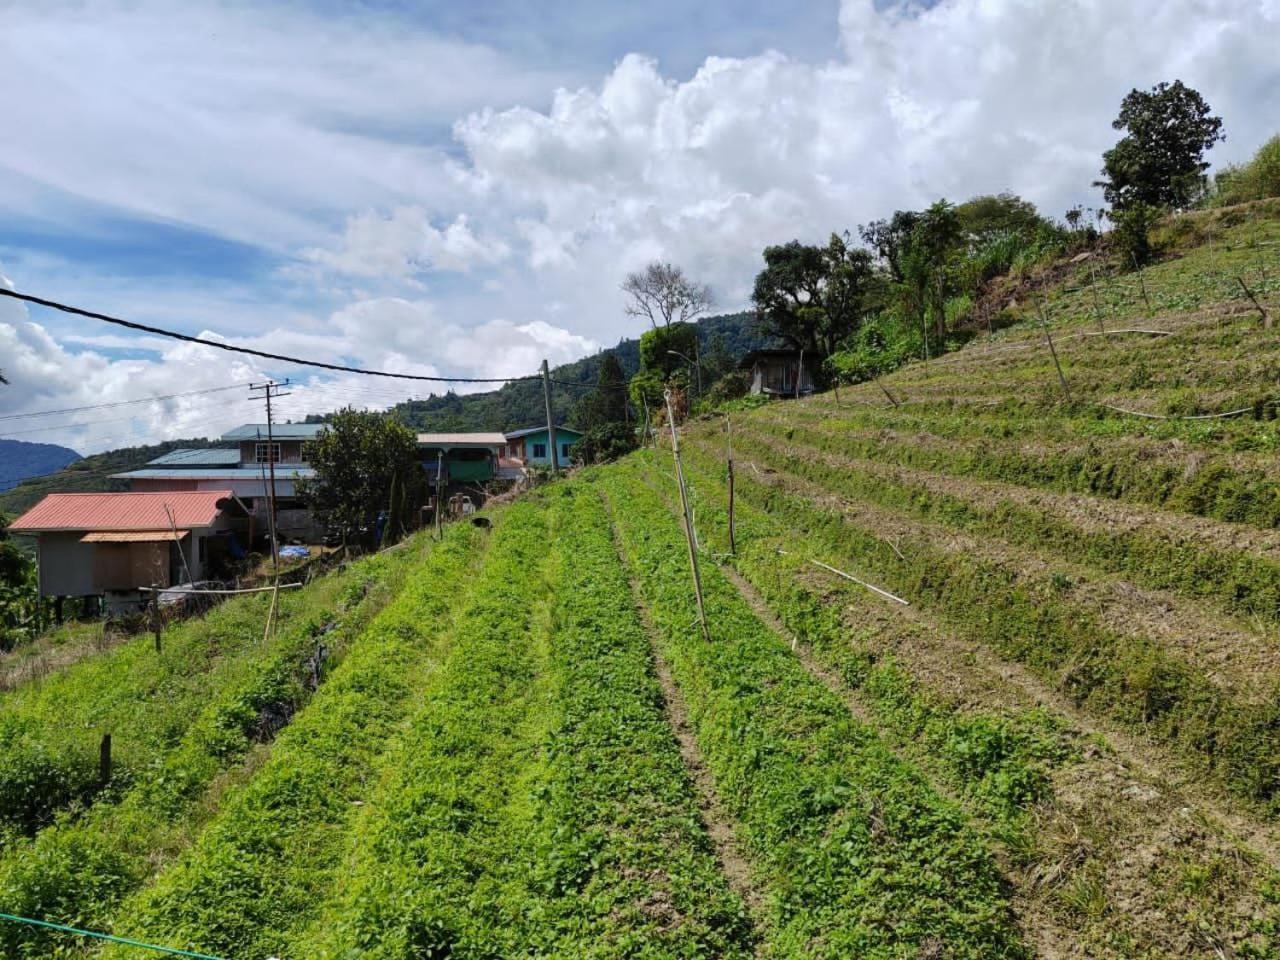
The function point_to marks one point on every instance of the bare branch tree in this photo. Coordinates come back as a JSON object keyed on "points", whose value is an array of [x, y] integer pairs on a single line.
{"points": [[662, 292]]}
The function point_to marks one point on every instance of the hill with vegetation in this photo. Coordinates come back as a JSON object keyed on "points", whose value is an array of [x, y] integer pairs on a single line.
{"points": [[20, 460], [722, 340]]}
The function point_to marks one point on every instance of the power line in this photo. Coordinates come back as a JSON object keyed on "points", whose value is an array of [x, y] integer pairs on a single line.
{"points": [[122, 403], [299, 361], [51, 427]]}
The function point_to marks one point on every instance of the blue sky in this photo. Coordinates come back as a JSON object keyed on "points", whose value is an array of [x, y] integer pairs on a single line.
{"points": [[460, 188]]}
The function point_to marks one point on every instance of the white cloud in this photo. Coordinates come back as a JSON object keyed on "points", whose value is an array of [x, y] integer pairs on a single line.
{"points": [[389, 334], [404, 244], [967, 97]]}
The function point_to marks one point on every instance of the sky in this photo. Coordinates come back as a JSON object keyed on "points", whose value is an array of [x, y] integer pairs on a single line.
{"points": [[459, 188]]}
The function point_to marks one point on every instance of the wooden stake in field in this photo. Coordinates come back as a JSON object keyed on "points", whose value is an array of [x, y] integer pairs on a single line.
{"points": [[439, 494], [1044, 323], [728, 434], [1097, 307], [688, 521], [1266, 319], [155, 617], [1142, 283], [104, 760]]}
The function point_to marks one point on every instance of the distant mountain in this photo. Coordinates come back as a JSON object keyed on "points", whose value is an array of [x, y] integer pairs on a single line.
{"points": [[520, 404], [20, 460]]}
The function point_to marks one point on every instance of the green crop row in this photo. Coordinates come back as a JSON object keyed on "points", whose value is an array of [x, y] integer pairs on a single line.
{"points": [[81, 866], [858, 856], [541, 808], [434, 861], [50, 729], [1215, 489], [1129, 678], [998, 761], [1239, 581], [274, 843]]}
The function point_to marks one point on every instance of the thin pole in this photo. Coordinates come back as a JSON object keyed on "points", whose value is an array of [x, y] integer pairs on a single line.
{"points": [[733, 539], [269, 390], [551, 430], [799, 372], [1266, 320], [173, 526], [439, 493], [1142, 283], [688, 523], [1044, 323], [648, 432], [1097, 307]]}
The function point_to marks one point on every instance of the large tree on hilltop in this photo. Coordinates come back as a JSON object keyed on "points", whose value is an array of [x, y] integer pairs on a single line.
{"points": [[1160, 159]]}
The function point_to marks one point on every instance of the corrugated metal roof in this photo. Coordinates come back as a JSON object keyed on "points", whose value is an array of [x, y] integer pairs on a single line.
{"points": [[131, 536], [212, 457], [461, 439], [560, 428], [122, 511], [279, 431], [284, 471]]}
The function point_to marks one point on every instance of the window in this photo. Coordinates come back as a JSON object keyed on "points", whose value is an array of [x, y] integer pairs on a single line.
{"points": [[266, 453], [539, 449], [564, 451]]}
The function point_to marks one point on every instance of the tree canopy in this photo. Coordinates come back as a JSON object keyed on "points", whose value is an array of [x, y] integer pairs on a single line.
{"points": [[366, 463], [813, 297], [662, 292], [1160, 159]]}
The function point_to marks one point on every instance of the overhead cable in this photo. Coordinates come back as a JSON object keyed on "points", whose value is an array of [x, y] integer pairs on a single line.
{"points": [[233, 348]]}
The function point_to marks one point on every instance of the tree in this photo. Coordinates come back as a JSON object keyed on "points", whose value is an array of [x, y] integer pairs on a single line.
{"points": [[813, 297], [888, 239], [662, 292], [662, 363], [365, 463], [984, 219], [1160, 159], [608, 402]]}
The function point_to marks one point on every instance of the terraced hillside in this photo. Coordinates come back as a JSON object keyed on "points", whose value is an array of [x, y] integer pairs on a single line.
{"points": [[1064, 744]]}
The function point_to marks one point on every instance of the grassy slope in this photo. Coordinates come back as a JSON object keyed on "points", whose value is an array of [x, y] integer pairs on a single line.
{"points": [[1090, 662]]}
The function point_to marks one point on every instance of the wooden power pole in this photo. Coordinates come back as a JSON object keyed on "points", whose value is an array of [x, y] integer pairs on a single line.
{"points": [[270, 390]]}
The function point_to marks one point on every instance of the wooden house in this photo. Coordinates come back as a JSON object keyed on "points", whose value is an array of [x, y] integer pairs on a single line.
{"points": [[530, 446], [778, 373], [110, 544]]}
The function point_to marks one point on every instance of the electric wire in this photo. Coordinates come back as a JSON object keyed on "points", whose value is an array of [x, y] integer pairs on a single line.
{"points": [[122, 403], [249, 351]]}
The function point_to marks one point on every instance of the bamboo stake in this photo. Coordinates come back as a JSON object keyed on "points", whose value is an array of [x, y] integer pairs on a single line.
{"points": [[688, 523], [1142, 282], [1266, 320], [1097, 307], [733, 541], [862, 583], [1044, 323]]}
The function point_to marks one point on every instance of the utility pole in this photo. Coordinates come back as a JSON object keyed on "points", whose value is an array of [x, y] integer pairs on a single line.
{"points": [[551, 429], [271, 390], [439, 490]]}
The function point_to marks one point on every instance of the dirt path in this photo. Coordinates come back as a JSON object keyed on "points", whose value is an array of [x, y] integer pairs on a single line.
{"points": [[717, 821]]}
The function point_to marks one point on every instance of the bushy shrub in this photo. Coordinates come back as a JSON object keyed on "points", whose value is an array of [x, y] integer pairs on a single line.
{"points": [[606, 442], [880, 346], [1256, 180], [1132, 234]]}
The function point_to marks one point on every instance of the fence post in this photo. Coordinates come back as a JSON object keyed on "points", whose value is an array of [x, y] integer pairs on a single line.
{"points": [[733, 540], [688, 523], [104, 760]]}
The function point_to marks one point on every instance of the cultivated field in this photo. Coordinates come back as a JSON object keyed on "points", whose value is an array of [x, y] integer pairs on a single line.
{"points": [[1066, 743]]}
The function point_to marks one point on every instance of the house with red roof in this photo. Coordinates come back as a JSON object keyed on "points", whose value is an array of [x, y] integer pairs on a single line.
{"points": [[111, 544]]}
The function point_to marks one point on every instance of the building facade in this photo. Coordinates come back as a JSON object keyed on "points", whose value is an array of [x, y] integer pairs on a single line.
{"points": [[531, 447]]}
